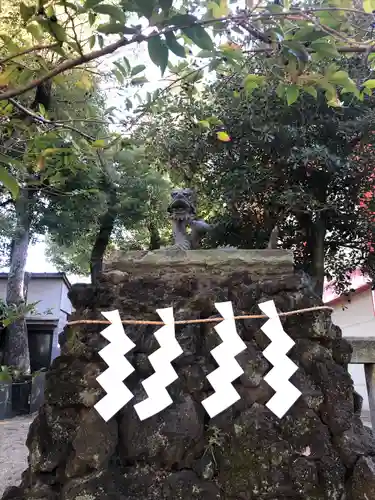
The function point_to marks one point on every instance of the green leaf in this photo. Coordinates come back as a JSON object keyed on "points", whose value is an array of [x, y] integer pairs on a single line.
{"points": [[204, 123], [219, 8], [109, 110], [92, 18], [368, 6], [121, 68], [292, 94], [4, 376], [311, 90], [140, 80], [173, 45], [223, 136], [118, 75], [158, 52], [250, 86], [26, 12], [280, 90], [35, 31], [111, 11], [339, 77], [254, 78], [214, 121], [9, 182], [9, 44], [182, 20], [194, 76], [342, 78], [325, 49], [205, 54], [127, 64], [111, 28], [370, 84], [138, 69], [199, 36], [57, 31], [298, 50], [92, 40], [328, 87], [100, 41], [145, 7], [99, 143], [252, 82], [334, 103], [309, 34], [327, 19]]}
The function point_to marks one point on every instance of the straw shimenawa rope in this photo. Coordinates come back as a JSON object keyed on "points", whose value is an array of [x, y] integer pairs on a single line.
{"points": [[192, 321]]}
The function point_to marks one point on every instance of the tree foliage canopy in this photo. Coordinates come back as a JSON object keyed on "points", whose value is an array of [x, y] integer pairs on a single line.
{"points": [[306, 167], [190, 39]]}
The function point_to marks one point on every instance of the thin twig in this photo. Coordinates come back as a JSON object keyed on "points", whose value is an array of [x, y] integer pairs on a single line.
{"points": [[195, 321], [75, 36], [330, 31], [136, 120]]}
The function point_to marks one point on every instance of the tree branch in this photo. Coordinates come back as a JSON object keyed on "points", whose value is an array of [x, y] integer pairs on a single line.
{"points": [[44, 121], [138, 38], [300, 12], [353, 49], [96, 54], [36, 48], [162, 93]]}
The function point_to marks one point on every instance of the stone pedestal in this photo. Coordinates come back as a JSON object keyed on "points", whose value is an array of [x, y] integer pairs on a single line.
{"points": [[318, 451]]}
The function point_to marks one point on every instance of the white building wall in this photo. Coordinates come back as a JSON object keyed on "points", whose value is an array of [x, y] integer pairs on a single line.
{"points": [[3, 287], [47, 291], [52, 294], [356, 319], [66, 306]]}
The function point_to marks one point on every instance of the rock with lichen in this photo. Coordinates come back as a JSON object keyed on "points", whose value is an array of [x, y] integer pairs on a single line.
{"points": [[318, 451]]}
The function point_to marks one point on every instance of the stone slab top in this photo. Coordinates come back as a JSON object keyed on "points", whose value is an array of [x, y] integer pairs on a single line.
{"points": [[263, 261], [363, 349]]}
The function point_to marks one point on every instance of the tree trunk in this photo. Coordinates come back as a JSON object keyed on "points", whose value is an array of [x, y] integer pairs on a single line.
{"points": [[155, 240], [315, 232], [317, 251], [107, 222], [16, 351]]}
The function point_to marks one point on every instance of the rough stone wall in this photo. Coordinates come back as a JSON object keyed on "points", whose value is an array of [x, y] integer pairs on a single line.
{"points": [[318, 451]]}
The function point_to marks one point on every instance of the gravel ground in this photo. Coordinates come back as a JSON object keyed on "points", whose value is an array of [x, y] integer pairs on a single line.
{"points": [[13, 452]]}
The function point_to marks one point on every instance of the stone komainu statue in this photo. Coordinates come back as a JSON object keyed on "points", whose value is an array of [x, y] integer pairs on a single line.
{"points": [[182, 212]]}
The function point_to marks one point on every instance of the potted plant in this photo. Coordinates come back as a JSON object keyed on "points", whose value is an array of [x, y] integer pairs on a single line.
{"points": [[21, 391]]}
